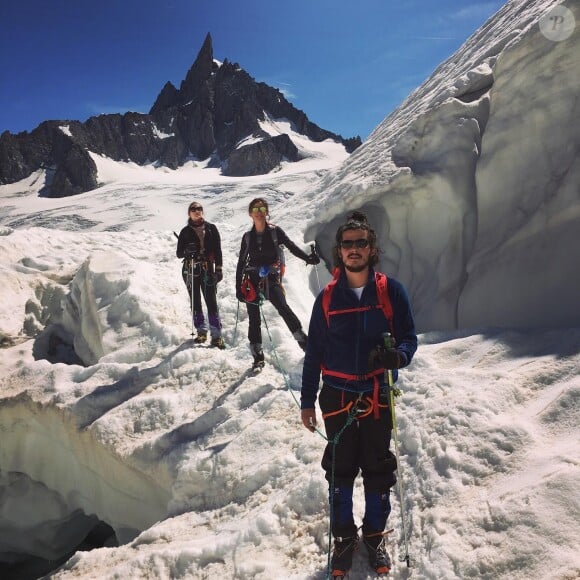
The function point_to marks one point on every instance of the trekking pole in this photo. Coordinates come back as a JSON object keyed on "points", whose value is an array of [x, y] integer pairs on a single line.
{"points": [[236, 326], [389, 342], [313, 250], [191, 290]]}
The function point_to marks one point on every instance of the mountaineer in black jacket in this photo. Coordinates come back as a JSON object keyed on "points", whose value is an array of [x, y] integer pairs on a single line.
{"points": [[199, 245], [260, 270]]}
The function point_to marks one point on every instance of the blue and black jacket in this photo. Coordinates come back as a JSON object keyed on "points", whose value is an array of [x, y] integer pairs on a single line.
{"points": [[344, 344]]}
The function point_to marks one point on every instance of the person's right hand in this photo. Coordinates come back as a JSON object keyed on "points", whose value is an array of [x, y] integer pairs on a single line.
{"points": [[309, 419], [313, 259]]}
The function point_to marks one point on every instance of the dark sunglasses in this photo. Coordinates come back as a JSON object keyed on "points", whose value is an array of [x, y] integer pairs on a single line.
{"points": [[261, 209], [360, 243], [196, 208]]}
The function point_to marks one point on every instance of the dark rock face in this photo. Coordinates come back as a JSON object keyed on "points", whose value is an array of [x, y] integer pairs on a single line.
{"points": [[76, 173], [213, 111], [13, 166], [261, 157]]}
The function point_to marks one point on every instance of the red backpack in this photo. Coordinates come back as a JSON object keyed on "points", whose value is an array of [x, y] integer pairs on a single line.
{"points": [[383, 300]]}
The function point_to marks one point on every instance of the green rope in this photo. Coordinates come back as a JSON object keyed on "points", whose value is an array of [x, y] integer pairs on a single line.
{"points": [[281, 369], [334, 442], [236, 325]]}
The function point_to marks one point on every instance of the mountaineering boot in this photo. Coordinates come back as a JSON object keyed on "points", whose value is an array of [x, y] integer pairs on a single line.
{"points": [[342, 554], [258, 354], [218, 342], [379, 558], [258, 364], [201, 337], [301, 338]]}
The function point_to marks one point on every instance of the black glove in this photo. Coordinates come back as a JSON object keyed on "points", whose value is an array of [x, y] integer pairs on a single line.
{"points": [[384, 358], [313, 259], [219, 276], [190, 250]]}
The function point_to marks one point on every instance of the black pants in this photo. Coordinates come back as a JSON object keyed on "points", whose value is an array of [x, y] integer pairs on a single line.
{"points": [[204, 283], [363, 446], [275, 293]]}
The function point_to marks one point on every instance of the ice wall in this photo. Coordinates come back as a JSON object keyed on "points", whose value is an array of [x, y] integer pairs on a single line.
{"points": [[67, 480], [61, 471], [528, 191], [472, 184]]}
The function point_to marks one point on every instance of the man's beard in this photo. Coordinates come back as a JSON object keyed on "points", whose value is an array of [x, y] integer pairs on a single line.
{"points": [[358, 268]]}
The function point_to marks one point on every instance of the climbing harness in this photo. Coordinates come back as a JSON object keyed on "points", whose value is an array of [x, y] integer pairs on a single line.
{"points": [[361, 408], [279, 266], [372, 375]]}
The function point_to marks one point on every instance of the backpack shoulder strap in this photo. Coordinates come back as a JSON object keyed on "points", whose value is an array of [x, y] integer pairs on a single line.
{"points": [[382, 282], [246, 240], [327, 294], [274, 235], [384, 302]]}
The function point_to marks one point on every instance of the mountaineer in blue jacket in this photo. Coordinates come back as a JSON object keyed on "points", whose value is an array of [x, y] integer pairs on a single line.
{"points": [[350, 318]]}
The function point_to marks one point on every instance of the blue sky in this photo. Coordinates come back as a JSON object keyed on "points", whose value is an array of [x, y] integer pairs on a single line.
{"points": [[346, 64]]}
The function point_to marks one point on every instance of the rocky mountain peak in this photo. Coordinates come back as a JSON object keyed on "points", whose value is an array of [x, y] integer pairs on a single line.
{"points": [[199, 72], [214, 110]]}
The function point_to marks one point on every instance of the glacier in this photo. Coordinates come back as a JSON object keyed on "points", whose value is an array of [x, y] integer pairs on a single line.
{"points": [[113, 425]]}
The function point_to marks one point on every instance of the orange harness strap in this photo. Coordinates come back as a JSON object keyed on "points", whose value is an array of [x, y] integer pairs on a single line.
{"points": [[372, 375], [344, 409], [360, 414]]}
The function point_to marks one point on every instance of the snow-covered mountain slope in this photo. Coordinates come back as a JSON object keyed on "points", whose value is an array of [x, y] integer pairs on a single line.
{"points": [[113, 423]]}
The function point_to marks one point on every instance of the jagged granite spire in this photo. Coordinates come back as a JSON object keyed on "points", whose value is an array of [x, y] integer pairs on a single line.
{"points": [[216, 107], [167, 98], [199, 72]]}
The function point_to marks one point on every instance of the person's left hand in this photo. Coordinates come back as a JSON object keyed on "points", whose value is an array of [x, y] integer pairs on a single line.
{"points": [[313, 259], [384, 358]]}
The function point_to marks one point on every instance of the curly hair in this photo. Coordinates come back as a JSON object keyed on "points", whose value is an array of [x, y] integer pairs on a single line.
{"points": [[356, 220]]}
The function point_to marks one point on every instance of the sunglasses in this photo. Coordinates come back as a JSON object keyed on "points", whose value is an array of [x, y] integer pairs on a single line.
{"points": [[196, 208], [360, 243], [261, 209]]}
